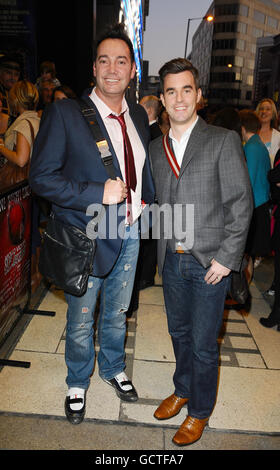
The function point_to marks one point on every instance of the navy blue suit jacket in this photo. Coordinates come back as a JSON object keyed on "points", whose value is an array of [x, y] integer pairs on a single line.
{"points": [[66, 168]]}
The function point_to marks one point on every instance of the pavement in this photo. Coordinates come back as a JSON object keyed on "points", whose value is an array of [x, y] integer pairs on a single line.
{"points": [[247, 411]]}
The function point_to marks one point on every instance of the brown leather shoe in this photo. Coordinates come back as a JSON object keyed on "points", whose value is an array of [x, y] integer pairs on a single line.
{"points": [[190, 431], [170, 407]]}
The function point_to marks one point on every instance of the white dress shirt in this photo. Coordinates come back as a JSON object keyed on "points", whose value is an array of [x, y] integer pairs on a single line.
{"points": [[180, 147], [115, 133]]}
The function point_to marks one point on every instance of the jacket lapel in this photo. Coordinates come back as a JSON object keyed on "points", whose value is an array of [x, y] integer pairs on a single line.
{"points": [[194, 144]]}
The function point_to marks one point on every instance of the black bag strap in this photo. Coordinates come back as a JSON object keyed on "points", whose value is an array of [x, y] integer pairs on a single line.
{"points": [[102, 144]]}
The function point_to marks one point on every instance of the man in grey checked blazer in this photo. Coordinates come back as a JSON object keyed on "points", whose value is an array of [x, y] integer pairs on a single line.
{"points": [[212, 180]]}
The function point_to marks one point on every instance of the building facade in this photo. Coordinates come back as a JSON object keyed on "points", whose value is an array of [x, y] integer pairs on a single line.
{"points": [[267, 70], [224, 51]]}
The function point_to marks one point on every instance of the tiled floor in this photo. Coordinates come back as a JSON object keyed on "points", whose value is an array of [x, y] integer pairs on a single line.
{"points": [[248, 397]]}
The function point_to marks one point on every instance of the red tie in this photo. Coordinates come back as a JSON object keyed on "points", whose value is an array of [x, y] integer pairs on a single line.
{"points": [[130, 173]]}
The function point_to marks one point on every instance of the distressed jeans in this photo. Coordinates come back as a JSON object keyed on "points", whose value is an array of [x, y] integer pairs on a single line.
{"points": [[194, 313], [115, 293]]}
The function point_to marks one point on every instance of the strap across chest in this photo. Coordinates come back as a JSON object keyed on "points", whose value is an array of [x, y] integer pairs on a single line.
{"points": [[170, 156]]}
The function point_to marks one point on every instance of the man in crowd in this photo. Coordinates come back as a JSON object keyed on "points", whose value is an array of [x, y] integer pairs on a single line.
{"points": [[67, 170], [147, 260], [200, 169], [46, 89], [152, 106]]}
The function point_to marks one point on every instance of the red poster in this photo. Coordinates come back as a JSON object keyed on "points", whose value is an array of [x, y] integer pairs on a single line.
{"points": [[15, 232]]}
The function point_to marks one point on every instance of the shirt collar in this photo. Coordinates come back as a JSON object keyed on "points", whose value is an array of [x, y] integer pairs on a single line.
{"points": [[186, 134], [102, 107]]}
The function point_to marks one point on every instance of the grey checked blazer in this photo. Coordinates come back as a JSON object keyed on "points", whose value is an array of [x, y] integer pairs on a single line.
{"points": [[214, 178]]}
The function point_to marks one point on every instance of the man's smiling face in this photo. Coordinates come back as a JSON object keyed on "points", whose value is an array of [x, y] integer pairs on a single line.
{"points": [[113, 69], [180, 98]]}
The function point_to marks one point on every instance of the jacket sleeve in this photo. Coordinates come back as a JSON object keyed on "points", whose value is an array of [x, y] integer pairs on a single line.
{"points": [[47, 175], [237, 200]]}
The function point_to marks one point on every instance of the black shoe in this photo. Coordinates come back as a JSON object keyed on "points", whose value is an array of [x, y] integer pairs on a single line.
{"points": [[270, 322], [123, 387], [75, 416]]}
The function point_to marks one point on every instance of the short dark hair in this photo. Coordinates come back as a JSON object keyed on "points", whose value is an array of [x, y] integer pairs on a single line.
{"points": [[48, 67], [116, 31], [228, 118], [176, 66], [250, 120]]}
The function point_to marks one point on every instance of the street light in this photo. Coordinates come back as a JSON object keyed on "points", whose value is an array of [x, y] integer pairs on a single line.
{"points": [[208, 18]]}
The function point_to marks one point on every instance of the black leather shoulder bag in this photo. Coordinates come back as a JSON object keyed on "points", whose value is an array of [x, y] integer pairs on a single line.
{"points": [[67, 254]]}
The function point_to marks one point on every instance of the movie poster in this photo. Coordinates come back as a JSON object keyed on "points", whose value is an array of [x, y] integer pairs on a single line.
{"points": [[15, 232]]}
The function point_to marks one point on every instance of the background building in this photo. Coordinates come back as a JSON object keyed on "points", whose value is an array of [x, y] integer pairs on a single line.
{"points": [[224, 51], [267, 69]]}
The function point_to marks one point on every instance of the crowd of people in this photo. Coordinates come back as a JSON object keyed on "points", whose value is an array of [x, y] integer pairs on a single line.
{"points": [[165, 150]]}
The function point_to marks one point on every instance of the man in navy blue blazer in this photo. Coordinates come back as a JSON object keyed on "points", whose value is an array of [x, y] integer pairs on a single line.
{"points": [[67, 170]]}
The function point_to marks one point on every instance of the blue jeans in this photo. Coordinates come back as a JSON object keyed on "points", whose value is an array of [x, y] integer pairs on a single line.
{"points": [[194, 313], [115, 292]]}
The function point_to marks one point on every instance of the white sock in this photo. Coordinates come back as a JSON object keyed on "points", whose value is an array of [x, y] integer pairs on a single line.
{"points": [[122, 377], [75, 392]]}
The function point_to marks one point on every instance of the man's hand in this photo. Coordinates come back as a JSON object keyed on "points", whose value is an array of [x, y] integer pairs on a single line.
{"points": [[216, 272], [115, 191]]}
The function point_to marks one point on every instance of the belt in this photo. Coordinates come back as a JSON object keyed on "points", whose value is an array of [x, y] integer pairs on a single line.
{"points": [[180, 251]]}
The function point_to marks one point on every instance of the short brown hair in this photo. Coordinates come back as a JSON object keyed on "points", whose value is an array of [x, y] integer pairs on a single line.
{"points": [[151, 101], [25, 94], [250, 120], [48, 67], [176, 66]]}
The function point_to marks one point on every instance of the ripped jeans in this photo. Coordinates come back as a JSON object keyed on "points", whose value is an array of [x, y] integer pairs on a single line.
{"points": [[115, 293]]}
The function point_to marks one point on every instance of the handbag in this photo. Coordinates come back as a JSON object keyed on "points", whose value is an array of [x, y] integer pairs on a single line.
{"points": [[239, 288], [67, 254]]}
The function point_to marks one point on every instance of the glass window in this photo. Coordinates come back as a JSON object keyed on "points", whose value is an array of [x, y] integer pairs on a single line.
{"points": [[250, 80], [243, 10], [242, 27], [224, 44], [257, 33], [259, 16], [248, 95], [227, 27], [250, 64], [231, 9], [238, 77], [223, 93], [272, 22], [239, 61], [240, 44], [253, 48]]}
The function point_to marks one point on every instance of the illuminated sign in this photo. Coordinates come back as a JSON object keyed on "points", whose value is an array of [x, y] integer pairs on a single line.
{"points": [[131, 12]]}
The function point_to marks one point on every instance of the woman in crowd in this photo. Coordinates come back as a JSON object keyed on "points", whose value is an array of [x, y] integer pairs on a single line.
{"points": [[258, 163], [63, 91], [17, 144], [17, 149], [268, 133]]}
